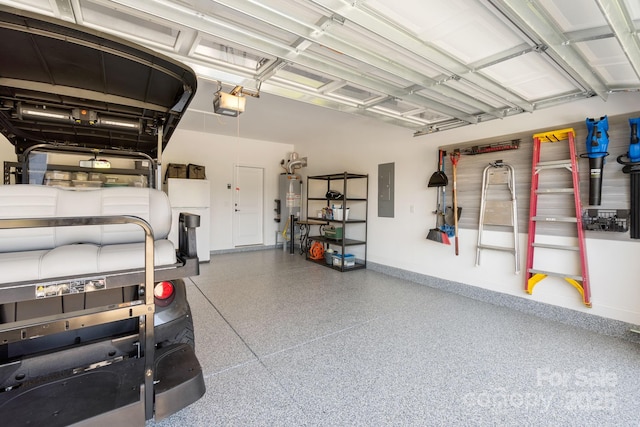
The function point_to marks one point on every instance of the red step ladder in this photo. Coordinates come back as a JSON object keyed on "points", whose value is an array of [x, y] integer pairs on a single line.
{"points": [[533, 276]]}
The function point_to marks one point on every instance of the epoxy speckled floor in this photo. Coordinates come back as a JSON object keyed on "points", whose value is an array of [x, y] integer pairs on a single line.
{"points": [[284, 342]]}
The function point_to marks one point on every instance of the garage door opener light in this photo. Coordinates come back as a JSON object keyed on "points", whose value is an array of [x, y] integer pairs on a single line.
{"points": [[233, 103]]}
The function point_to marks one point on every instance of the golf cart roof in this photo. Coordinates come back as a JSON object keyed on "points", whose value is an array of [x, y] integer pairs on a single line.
{"points": [[63, 84]]}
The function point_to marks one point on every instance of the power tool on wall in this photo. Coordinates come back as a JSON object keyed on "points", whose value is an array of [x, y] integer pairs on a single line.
{"points": [[597, 143], [632, 167]]}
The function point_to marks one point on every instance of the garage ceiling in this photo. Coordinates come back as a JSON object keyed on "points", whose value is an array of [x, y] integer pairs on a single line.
{"points": [[429, 65]]}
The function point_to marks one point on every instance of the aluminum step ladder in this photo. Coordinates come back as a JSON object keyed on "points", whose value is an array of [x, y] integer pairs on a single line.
{"points": [[533, 276], [499, 208]]}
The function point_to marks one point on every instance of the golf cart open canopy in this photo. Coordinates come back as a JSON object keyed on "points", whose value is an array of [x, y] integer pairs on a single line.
{"points": [[63, 84]]}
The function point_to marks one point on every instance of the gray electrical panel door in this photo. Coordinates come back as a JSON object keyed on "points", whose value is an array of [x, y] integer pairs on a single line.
{"points": [[386, 189]]}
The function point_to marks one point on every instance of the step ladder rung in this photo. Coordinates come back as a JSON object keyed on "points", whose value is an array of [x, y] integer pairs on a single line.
{"points": [[564, 164], [552, 246], [555, 219], [553, 164], [497, 248], [554, 190], [555, 274]]}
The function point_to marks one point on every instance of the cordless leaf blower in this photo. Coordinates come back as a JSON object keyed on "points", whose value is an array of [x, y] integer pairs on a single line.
{"points": [[631, 162], [597, 143], [634, 141]]}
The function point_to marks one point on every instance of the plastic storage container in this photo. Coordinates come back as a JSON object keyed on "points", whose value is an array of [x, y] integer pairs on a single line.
{"points": [[80, 176], [58, 175], [349, 260], [87, 184], [332, 232], [338, 212], [328, 257]]}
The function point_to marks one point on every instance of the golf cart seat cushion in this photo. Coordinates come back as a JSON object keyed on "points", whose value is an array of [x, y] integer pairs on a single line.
{"points": [[41, 253], [80, 259], [37, 201]]}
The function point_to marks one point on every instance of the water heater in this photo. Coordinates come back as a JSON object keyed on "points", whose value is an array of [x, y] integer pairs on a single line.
{"points": [[290, 196]]}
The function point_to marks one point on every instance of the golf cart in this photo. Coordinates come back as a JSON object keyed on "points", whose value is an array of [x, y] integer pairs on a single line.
{"points": [[95, 327]]}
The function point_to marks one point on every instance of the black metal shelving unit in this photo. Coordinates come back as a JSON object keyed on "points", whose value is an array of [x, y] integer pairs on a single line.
{"points": [[354, 228]]}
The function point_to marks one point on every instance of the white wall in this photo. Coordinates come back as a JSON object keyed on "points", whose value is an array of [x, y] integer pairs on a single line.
{"points": [[220, 155], [401, 241]]}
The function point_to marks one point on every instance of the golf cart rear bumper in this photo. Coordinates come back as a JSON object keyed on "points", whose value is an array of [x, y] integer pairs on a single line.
{"points": [[107, 395], [94, 381]]}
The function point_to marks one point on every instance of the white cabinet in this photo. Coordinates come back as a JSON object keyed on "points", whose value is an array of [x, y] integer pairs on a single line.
{"points": [[192, 196]]}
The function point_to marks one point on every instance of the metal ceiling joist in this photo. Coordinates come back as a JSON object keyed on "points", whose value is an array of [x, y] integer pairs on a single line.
{"points": [[321, 33], [425, 83], [618, 18], [534, 23], [502, 57], [186, 42], [331, 86], [378, 101], [589, 34], [242, 36], [64, 10], [271, 69], [358, 14], [276, 87], [312, 33]]}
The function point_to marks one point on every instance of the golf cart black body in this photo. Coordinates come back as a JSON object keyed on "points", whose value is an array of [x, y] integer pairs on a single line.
{"points": [[95, 327]]}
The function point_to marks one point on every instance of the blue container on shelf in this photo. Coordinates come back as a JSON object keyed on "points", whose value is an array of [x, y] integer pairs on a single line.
{"points": [[349, 260]]}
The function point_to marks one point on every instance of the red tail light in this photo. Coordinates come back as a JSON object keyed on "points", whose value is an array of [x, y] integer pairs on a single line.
{"points": [[163, 291]]}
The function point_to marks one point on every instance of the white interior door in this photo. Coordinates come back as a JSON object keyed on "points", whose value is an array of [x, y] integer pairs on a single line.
{"points": [[248, 206]]}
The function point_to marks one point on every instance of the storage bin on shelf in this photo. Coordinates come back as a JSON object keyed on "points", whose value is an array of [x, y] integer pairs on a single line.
{"points": [[333, 232], [348, 260], [328, 257], [86, 184], [338, 212]]}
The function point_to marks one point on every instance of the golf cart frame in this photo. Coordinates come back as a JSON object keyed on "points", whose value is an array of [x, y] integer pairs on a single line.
{"points": [[145, 381]]}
